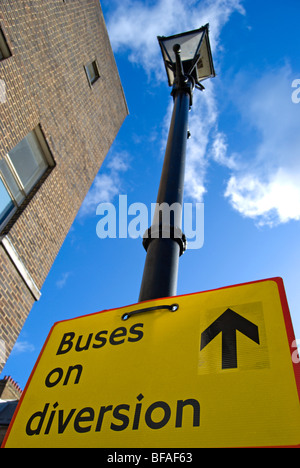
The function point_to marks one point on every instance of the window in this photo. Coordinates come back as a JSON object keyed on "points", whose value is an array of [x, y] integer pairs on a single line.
{"points": [[4, 49], [6, 202], [28, 162], [20, 170], [92, 72]]}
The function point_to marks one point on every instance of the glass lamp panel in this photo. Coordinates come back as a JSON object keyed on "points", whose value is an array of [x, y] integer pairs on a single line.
{"points": [[192, 44], [188, 43], [205, 68]]}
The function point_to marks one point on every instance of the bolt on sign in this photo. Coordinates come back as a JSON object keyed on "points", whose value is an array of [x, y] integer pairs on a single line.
{"points": [[212, 369]]}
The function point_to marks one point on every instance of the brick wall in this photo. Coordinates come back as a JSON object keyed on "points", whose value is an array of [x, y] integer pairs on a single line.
{"points": [[9, 389], [46, 85]]}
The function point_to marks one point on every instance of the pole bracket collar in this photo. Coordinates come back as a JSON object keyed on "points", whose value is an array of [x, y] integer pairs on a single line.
{"points": [[165, 231]]}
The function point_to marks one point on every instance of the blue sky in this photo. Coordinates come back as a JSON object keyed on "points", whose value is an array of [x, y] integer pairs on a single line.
{"points": [[243, 163]]}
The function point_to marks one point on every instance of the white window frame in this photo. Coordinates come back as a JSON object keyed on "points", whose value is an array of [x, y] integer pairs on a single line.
{"points": [[18, 192]]}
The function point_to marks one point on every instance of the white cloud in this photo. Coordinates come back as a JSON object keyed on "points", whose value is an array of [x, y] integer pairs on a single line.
{"points": [[133, 27], [63, 280], [22, 347], [271, 202], [106, 184], [206, 142], [203, 127], [219, 152], [264, 183], [266, 186]]}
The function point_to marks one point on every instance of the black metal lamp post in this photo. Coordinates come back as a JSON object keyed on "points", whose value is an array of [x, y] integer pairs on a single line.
{"points": [[188, 61]]}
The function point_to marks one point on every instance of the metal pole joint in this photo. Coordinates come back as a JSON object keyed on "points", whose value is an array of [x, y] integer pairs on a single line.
{"points": [[165, 232], [183, 83]]}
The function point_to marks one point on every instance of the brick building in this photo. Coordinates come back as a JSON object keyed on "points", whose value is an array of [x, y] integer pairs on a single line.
{"points": [[10, 394], [61, 106]]}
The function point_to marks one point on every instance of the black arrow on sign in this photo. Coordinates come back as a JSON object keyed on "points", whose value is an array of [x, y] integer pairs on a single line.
{"points": [[227, 324]]}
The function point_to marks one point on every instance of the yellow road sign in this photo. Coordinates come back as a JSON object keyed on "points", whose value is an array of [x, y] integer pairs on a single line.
{"points": [[213, 369]]}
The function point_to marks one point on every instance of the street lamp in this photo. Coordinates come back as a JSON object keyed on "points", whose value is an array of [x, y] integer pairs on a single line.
{"points": [[188, 61], [195, 55]]}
